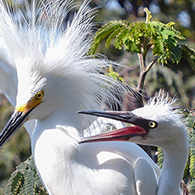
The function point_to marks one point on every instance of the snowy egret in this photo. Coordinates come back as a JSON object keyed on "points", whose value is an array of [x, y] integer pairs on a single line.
{"points": [[55, 79], [9, 80], [158, 125]]}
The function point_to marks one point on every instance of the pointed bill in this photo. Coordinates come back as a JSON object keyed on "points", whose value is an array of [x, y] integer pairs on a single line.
{"points": [[141, 126], [123, 116], [19, 117], [14, 123]]}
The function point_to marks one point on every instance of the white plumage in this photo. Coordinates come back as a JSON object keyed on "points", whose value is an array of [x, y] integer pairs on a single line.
{"points": [[166, 130], [55, 79]]}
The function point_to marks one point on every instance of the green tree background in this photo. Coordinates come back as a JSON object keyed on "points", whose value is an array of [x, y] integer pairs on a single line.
{"points": [[177, 79]]}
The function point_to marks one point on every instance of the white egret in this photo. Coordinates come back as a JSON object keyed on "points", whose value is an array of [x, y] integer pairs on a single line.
{"points": [[9, 80], [158, 125], [54, 80], [9, 86]]}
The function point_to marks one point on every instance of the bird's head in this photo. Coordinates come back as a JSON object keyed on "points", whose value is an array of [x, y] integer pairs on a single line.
{"points": [[40, 89], [45, 88], [37, 98], [53, 70], [154, 124]]}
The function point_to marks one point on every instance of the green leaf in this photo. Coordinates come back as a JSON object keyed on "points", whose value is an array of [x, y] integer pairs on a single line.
{"points": [[114, 74], [24, 180], [151, 30], [190, 119], [118, 43], [176, 54], [189, 55], [148, 15], [140, 37], [160, 157], [113, 35], [192, 187], [158, 48], [132, 47], [192, 161], [17, 183], [191, 125], [171, 24], [104, 32]]}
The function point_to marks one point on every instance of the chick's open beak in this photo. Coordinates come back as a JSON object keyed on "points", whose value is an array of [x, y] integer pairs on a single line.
{"points": [[123, 134], [141, 126]]}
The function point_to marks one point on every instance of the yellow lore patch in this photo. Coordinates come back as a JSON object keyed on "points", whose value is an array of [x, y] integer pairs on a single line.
{"points": [[35, 101]]}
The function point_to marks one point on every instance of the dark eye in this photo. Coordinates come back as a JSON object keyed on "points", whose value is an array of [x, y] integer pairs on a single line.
{"points": [[40, 95], [152, 124]]}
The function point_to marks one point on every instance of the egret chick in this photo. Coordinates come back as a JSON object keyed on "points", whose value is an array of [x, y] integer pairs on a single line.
{"points": [[155, 124]]}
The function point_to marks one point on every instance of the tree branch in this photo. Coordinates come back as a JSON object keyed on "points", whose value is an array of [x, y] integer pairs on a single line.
{"points": [[141, 62], [143, 74]]}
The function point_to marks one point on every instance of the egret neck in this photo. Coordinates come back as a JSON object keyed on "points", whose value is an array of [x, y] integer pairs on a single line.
{"points": [[175, 155], [56, 120]]}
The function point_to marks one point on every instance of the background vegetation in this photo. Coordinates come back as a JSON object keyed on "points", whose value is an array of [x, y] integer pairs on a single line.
{"points": [[177, 79]]}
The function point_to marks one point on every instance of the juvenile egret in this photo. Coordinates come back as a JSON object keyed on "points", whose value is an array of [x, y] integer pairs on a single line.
{"points": [[55, 79], [158, 125]]}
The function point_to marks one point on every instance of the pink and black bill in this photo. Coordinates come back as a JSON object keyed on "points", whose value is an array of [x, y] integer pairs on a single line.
{"points": [[141, 126]]}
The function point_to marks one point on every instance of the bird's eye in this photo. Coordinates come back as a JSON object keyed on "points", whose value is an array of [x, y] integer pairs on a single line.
{"points": [[152, 124], [39, 95]]}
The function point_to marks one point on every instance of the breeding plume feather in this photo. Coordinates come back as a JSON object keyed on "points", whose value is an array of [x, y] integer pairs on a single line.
{"points": [[41, 45]]}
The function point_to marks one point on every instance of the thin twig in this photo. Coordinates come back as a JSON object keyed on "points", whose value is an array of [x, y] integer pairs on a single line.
{"points": [[151, 64], [143, 74]]}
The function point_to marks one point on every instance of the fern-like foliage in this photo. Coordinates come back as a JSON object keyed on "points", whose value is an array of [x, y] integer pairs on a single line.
{"points": [[160, 157], [25, 180], [115, 75], [189, 55], [191, 125], [140, 37]]}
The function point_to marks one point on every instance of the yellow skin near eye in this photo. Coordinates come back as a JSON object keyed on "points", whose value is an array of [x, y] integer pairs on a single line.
{"points": [[35, 101], [152, 124], [39, 95]]}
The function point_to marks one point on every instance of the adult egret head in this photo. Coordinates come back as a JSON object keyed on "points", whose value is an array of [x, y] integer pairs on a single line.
{"points": [[155, 124], [52, 68]]}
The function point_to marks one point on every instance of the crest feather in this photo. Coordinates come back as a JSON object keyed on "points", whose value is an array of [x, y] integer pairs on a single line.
{"points": [[44, 43], [42, 29], [162, 98]]}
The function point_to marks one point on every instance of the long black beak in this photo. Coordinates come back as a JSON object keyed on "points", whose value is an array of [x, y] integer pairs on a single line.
{"points": [[123, 116], [141, 126], [15, 122]]}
